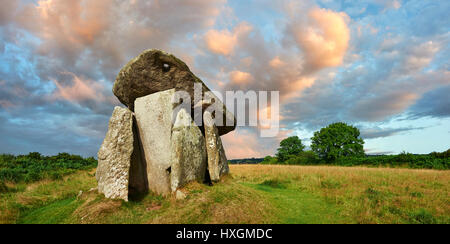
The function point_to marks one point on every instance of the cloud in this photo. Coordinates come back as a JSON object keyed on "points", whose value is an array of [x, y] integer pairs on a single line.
{"points": [[356, 62], [5, 104], [223, 41], [324, 38], [245, 142], [239, 77], [378, 108], [96, 38], [7, 11], [394, 4], [377, 132], [434, 103], [419, 57], [80, 90]]}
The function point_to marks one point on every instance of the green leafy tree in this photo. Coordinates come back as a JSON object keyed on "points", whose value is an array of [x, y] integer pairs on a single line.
{"points": [[290, 146], [269, 160], [337, 140]]}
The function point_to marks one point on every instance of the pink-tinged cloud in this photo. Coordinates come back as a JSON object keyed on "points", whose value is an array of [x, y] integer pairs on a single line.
{"points": [[78, 22], [223, 41], [80, 90], [240, 78], [244, 143], [419, 57], [324, 38], [240, 146], [276, 62]]}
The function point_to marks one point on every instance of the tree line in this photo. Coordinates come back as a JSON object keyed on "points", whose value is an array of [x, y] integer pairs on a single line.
{"points": [[341, 144]]}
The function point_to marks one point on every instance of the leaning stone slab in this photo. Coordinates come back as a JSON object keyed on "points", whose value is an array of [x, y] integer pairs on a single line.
{"points": [[117, 155], [217, 160]]}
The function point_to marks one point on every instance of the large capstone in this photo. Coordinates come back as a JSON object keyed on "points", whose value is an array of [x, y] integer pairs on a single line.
{"points": [[174, 147], [217, 160], [155, 71], [118, 155]]}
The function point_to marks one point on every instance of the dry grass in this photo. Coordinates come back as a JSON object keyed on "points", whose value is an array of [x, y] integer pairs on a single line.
{"points": [[252, 194], [369, 195], [94, 208]]}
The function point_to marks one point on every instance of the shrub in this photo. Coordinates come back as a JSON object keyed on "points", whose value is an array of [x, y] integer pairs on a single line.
{"points": [[3, 187], [442, 155], [34, 166], [404, 160], [422, 216], [270, 160], [34, 155]]}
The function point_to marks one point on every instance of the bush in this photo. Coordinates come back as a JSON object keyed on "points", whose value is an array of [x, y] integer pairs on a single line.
{"points": [[404, 160], [34, 166], [308, 158], [3, 187], [441, 155], [270, 160]]}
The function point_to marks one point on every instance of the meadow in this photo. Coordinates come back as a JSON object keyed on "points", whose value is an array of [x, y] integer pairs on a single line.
{"points": [[250, 194]]}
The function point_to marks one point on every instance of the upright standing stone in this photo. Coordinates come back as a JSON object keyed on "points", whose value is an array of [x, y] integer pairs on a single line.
{"points": [[217, 160], [189, 156], [154, 119], [175, 153], [115, 155]]}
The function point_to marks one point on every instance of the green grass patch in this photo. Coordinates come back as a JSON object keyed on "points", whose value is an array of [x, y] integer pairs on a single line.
{"points": [[294, 206], [275, 183], [54, 213]]}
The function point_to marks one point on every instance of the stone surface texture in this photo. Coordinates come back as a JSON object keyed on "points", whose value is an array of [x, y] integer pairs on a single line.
{"points": [[175, 154], [189, 158], [115, 155], [148, 74], [154, 121], [217, 160], [155, 144]]}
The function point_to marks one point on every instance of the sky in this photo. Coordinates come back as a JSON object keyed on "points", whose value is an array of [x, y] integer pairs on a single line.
{"points": [[382, 66]]}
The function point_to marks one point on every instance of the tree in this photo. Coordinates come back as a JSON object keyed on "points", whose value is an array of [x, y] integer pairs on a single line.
{"points": [[269, 160], [337, 140], [288, 147]]}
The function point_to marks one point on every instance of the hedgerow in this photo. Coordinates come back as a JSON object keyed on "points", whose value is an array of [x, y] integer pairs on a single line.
{"points": [[433, 160], [34, 166]]}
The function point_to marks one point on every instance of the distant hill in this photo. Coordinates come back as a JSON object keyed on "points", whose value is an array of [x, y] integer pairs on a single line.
{"points": [[246, 161]]}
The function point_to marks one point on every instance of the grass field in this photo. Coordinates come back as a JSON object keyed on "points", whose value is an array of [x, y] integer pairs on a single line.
{"points": [[251, 194]]}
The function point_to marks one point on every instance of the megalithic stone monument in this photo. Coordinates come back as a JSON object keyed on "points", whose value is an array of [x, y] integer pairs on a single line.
{"points": [[154, 144]]}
